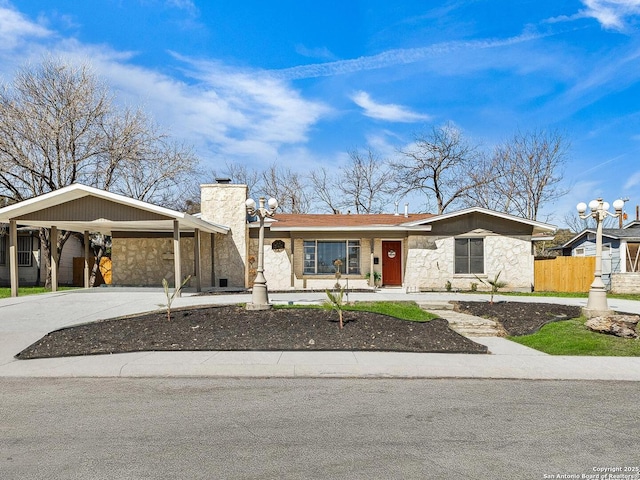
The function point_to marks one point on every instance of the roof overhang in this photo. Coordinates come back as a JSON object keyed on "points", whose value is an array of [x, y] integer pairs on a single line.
{"points": [[81, 208], [359, 228], [537, 227]]}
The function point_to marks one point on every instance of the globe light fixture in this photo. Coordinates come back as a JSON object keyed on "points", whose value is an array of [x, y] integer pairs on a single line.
{"points": [[597, 302], [259, 294]]}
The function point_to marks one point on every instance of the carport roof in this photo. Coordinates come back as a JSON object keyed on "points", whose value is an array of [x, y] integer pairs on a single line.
{"points": [[79, 207]]}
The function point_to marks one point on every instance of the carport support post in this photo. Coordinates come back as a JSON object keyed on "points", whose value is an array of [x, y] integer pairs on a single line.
{"points": [[176, 256], [13, 256], [196, 258], [86, 259], [54, 261]]}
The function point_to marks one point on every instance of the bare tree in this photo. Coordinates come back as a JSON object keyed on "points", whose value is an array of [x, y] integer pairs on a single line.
{"points": [[442, 164], [58, 126], [364, 182], [241, 174], [325, 189], [286, 186], [528, 171], [360, 186]]}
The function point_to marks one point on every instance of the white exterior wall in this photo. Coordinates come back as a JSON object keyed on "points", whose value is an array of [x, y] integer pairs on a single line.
{"points": [[277, 264], [72, 248], [429, 268]]}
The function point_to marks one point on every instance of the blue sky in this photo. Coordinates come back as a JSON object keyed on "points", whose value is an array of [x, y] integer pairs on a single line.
{"points": [[302, 82]]}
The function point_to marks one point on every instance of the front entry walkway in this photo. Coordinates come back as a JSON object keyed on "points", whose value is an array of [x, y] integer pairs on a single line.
{"points": [[465, 324]]}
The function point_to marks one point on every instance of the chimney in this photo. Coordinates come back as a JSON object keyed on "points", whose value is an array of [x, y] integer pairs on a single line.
{"points": [[223, 181], [406, 210], [396, 212]]}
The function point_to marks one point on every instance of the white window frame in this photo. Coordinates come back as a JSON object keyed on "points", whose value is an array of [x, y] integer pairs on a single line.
{"points": [[310, 254]]}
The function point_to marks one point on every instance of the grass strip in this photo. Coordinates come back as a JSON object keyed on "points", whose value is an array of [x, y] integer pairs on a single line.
{"points": [[403, 310], [571, 337]]}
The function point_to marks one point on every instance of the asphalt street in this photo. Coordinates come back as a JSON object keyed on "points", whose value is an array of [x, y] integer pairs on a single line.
{"points": [[204, 428]]}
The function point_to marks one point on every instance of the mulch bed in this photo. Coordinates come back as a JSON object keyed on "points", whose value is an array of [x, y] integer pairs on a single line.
{"points": [[234, 328], [519, 318]]}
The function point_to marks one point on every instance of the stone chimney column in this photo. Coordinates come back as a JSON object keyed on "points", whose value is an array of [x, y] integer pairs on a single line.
{"points": [[224, 204]]}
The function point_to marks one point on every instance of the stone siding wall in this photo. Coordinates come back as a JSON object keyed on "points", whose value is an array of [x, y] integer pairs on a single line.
{"points": [[277, 264], [224, 204], [146, 261], [625, 283], [430, 263]]}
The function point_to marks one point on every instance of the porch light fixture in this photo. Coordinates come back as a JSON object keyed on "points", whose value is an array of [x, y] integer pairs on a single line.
{"points": [[597, 302], [259, 295]]}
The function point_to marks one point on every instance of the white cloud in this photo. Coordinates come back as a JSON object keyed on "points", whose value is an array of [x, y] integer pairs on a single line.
{"points": [[390, 112], [611, 13], [14, 28], [225, 112], [400, 56], [632, 181]]}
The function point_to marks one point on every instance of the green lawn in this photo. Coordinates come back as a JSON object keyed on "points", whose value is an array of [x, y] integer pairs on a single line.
{"points": [[571, 337], [403, 310], [5, 292]]}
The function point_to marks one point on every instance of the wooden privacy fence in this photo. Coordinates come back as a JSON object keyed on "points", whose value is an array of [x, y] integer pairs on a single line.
{"points": [[563, 274], [103, 274]]}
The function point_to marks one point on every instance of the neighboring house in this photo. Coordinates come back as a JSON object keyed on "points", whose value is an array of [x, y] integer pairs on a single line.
{"points": [[620, 251], [219, 247], [31, 270]]}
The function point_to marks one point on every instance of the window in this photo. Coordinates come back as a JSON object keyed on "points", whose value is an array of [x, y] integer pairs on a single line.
{"points": [[320, 256], [579, 252], [469, 255], [24, 251], [3, 250]]}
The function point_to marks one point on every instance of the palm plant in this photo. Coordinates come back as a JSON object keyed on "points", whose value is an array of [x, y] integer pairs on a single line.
{"points": [[495, 284]]}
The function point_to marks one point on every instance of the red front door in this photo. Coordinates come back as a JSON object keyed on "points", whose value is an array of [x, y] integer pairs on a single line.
{"points": [[392, 263]]}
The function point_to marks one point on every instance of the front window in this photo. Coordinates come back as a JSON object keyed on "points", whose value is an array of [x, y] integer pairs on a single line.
{"points": [[320, 257], [3, 250], [469, 255], [24, 251]]}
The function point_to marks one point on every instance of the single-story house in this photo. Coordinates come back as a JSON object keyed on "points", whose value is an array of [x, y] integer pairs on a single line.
{"points": [[219, 247], [620, 255]]}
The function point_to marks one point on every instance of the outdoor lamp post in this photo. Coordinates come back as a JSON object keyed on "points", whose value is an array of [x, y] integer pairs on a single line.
{"points": [[259, 296], [597, 302]]}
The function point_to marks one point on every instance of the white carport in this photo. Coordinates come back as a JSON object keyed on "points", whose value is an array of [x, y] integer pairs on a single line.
{"points": [[80, 208]]}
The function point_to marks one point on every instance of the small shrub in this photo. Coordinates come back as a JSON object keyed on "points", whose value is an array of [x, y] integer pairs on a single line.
{"points": [[474, 287], [377, 278], [171, 297], [337, 263], [495, 285], [448, 286], [334, 302]]}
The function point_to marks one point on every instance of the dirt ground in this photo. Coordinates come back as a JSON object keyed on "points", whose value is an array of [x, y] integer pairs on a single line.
{"points": [[232, 327]]}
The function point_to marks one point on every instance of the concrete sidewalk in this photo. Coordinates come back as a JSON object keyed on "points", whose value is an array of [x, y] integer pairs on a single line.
{"points": [[24, 320]]}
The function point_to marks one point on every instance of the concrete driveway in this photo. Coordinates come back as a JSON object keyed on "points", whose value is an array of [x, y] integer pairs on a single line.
{"points": [[24, 320]]}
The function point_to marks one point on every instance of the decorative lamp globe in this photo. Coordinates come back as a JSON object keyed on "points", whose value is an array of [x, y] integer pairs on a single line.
{"points": [[618, 204]]}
